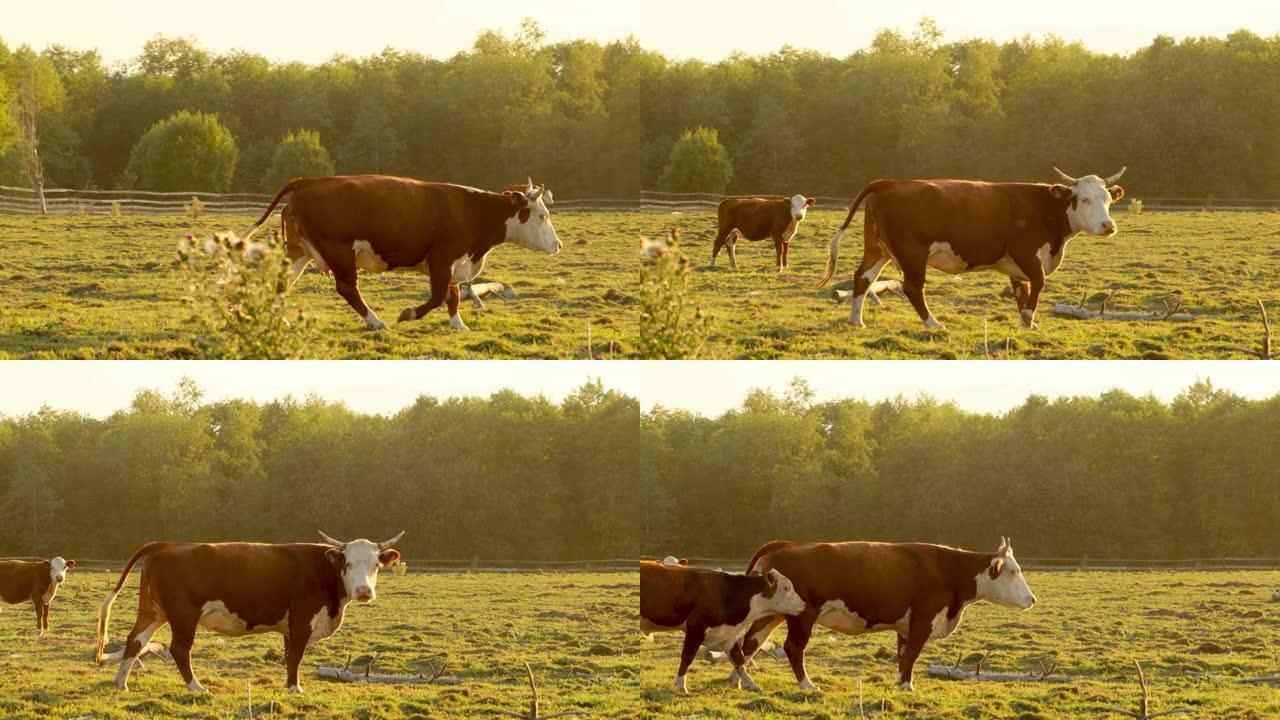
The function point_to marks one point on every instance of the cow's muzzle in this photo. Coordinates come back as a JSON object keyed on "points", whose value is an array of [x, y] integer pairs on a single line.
{"points": [[364, 594]]}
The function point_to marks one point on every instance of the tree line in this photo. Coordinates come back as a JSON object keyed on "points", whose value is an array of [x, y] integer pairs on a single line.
{"points": [[1189, 118], [1114, 476], [499, 478]]}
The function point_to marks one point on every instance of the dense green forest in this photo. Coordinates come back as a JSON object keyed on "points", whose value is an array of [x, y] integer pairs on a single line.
{"points": [[1114, 476], [503, 477], [1193, 117]]}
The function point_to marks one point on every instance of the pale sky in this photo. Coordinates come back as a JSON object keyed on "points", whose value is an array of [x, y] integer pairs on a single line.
{"points": [[315, 30], [706, 387]]}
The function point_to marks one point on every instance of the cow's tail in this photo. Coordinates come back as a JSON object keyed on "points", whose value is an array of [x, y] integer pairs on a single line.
{"points": [[288, 188], [833, 248], [765, 550], [104, 611]]}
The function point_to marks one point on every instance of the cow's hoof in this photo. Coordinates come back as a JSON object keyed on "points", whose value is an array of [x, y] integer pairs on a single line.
{"points": [[807, 684], [750, 685], [932, 324], [906, 686], [122, 687], [294, 690], [195, 686], [409, 314], [456, 323]]}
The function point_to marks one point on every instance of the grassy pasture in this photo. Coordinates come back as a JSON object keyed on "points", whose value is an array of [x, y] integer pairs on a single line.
{"points": [[1092, 624], [96, 287], [577, 631], [1218, 264]]}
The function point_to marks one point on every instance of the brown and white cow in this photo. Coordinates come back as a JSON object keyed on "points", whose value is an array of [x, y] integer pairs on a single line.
{"points": [[914, 589], [757, 219], [36, 580], [378, 223], [712, 607], [299, 590], [958, 226]]}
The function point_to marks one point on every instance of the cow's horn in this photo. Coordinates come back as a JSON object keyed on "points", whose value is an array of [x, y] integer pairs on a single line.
{"points": [[392, 541], [1065, 177], [528, 188], [1116, 177], [331, 541]]}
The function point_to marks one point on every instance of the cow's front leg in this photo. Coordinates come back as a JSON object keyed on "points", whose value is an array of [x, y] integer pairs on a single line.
{"points": [[441, 277], [1034, 271], [913, 275], [344, 280], [779, 253], [44, 618], [295, 646], [909, 651], [1021, 291], [799, 628], [183, 637], [753, 640], [732, 247], [694, 635], [39, 608], [455, 295], [740, 670]]}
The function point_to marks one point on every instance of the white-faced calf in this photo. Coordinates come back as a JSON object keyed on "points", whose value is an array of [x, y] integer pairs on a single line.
{"points": [[34, 580], [712, 607]]}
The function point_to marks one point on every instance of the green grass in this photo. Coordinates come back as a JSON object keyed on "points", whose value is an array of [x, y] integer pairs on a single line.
{"points": [[577, 632], [1218, 264], [1093, 624], [94, 287]]}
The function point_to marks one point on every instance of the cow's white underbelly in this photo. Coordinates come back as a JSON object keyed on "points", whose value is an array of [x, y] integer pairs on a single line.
{"points": [[216, 617], [722, 637], [941, 257], [465, 269], [835, 615]]}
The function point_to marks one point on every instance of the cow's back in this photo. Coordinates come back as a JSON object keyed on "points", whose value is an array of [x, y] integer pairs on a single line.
{"points": [[242, 576], [399, 217], [879, 578], [16, 579], [667, 595], [966, 214], [754, 217]]}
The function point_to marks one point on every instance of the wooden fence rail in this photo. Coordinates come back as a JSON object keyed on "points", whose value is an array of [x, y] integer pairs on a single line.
{"points": [[24, 201]]}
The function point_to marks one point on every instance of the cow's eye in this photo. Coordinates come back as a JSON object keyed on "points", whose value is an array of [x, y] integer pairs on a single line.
{"points": [[1087, 201]]}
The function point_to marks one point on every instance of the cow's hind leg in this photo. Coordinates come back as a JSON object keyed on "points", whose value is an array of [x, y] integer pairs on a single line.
{"points": [[184, 636], [693, 637], [148, 622], [779, 254], [441, 277], [1034, 271], [873, 262]]}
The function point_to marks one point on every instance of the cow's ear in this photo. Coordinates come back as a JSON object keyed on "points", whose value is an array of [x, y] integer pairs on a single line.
{"points": [[518, 199], [1117, 192], [771, 580], [684, 561], [996, 568], [388, 557], [336, 558], [810, 202], [1062, 192], [71, 564]]}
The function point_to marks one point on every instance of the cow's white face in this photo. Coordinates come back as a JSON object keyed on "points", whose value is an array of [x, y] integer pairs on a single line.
{"points": [[1003, 582], [359, 561], [1090, 199], [530, 226], [799, 206], [780, 598], [58, 569]]}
